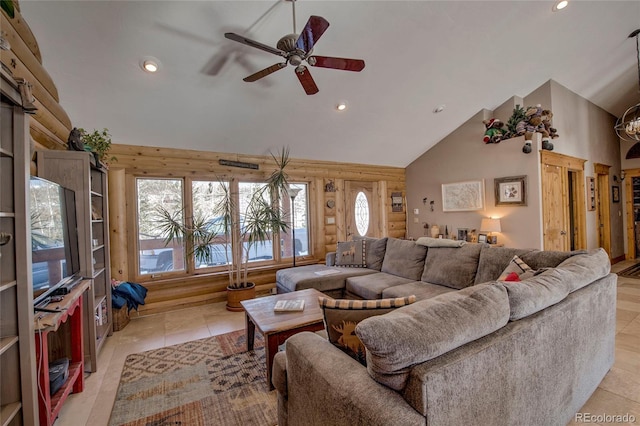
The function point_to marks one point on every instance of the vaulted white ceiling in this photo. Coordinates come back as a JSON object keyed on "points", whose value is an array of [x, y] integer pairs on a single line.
{"points": [[467, 55]]}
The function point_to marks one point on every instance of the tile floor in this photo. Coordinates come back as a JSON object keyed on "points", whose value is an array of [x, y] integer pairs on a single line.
{"points": [[619, 392]]}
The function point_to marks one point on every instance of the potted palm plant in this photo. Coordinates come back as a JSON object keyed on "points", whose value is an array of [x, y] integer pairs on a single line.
{"points": [[237, 222]]}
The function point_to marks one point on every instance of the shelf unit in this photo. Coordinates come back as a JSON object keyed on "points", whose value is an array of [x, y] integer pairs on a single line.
{"points": [[76, 170], [18, 389]]}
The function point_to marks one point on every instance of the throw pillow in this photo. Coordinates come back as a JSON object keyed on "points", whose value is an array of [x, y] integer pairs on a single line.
{"points": [[351, 253], [341, 317], [516, 270]]}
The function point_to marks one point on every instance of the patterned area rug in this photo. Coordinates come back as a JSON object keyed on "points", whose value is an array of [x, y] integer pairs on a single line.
{"points": [[631, 272], [212, 381]]}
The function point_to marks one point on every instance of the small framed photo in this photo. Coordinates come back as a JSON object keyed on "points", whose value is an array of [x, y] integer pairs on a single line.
{"points": [[591, 190], [615, 193], [482, 238], [511, 191], [462, 234]]}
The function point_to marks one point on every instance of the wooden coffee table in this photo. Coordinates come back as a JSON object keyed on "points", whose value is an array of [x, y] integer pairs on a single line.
{"points": [[276, 327]]}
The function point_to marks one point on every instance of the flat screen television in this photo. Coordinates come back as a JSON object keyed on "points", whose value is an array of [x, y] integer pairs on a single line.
{"points": [[55, 256]]}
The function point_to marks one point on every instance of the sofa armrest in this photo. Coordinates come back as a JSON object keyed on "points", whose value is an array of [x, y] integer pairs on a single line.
{"points": [[330, 258], [326, 386], [279, 381]]}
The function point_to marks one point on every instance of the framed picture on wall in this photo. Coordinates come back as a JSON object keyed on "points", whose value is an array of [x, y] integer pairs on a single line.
{"points": [[511, 191], [615, 193], [463, 196], [591, 193]]}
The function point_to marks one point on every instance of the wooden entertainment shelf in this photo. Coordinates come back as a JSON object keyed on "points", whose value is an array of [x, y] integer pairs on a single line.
{"points": [[48, 322]]}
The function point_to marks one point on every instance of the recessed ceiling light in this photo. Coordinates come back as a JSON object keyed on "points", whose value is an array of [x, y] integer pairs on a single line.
{"points": [[150, 64], [560, 5], [341, 106], [439, 108]]}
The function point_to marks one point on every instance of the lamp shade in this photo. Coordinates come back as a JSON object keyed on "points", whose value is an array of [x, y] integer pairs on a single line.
{"points": [[490, 225]]}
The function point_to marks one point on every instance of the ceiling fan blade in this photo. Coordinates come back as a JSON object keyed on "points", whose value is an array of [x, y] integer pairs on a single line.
{"points": [[253, 43], [311, 33], [306, 80], [265, 72], [336, 63]]}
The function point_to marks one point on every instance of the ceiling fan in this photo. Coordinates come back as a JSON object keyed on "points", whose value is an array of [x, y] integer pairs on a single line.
{"points": [[296, 49]]}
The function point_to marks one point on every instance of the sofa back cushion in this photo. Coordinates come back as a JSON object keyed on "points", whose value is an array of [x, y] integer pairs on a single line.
{"points": [[351, 254], [493, 260], [429, 328], [374, 251], [404, 258], [453, 267]]}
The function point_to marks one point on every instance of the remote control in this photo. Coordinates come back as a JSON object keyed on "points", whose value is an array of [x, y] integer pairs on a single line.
{"points": [[57, 299]]}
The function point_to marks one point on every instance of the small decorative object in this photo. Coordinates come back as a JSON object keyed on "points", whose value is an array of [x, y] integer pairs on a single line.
{"points": [[591, 188], [494, 131], [331, 204], [98, 142], [330, 186], [462, 234], [615, 192], [531, 123], [511, 191], [396, 201], [482, 238], [463, 196], [26, 96], [435, 230], [472, 237], [74, 142], [431, 204]]}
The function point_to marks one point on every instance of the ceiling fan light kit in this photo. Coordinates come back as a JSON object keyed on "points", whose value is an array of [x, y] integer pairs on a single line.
{"points": [[296, 49]]}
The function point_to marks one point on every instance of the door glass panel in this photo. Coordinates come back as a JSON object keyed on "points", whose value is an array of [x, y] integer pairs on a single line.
{"points": [[361, 211]]}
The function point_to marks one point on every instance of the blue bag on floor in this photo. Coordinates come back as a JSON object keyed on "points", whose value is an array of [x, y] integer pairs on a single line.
{"points": [[131, 294]]}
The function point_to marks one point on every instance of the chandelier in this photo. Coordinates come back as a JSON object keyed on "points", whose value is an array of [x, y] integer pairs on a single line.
{"points": [[628, 126]]}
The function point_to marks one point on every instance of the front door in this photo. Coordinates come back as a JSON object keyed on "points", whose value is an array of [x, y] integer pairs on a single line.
{"points": [[361, 209]]}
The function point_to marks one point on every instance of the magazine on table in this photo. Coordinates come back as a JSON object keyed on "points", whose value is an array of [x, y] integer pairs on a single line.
{"points": [[289, 305]]}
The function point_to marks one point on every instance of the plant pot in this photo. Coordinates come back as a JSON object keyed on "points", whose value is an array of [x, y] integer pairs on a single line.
{"points": [[237, 295]]}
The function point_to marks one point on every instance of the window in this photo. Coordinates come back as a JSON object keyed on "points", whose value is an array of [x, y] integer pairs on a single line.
{"points": [[153, 255], [361, 211], [201, 198]]}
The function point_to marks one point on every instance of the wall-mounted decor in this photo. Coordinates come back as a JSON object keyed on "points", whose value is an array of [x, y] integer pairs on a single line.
{"points": [[511, 191], [615, 193], [591, 190], [330, 186], [396, 201], [463, 196]]}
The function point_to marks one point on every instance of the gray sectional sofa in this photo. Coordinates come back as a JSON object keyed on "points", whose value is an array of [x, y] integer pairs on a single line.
{"points": [[471, 350]]}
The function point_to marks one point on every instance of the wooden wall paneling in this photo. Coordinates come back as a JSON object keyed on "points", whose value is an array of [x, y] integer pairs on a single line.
{"points": [[383, 220], [118, 223], [341, 224], [318, 207], [19, 25], [44, 137]]}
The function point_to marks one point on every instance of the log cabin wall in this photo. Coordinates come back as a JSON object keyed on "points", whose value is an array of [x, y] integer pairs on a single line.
{"points": [[326, 224]]}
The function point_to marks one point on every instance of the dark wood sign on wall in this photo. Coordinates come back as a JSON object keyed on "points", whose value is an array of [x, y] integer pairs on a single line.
{"points": [[396, 201]]}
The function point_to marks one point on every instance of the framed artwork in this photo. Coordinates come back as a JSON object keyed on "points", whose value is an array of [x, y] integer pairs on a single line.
{"points": [[462, 234], [463, 196], [396, 201], [615, 193], [511, 191], [482, 238], [591, 191]]}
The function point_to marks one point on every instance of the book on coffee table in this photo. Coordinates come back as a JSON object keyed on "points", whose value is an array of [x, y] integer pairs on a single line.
{"points": [[289, 305]]}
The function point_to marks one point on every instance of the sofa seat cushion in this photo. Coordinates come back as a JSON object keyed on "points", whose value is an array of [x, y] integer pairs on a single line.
{"points": [[420, 289], [371, 286], [452, 266], [322, 278], [404, 258], [342, 316], [374, 251], [429, 328]]}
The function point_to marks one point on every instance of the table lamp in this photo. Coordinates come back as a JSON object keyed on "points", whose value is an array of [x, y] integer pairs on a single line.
{"points": [[490, 225]]}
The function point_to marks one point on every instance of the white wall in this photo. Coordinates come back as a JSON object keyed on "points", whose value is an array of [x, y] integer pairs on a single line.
{"points": [[586, 131]]}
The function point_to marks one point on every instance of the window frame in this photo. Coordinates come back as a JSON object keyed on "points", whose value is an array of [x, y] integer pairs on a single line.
{"points": [[187, 201]]}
